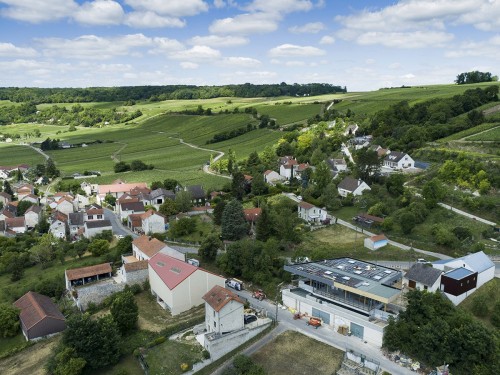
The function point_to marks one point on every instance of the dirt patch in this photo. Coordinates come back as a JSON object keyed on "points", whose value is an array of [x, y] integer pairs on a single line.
{"points": [[336, 234], [491, 110], [31, 360], [288, 347]]}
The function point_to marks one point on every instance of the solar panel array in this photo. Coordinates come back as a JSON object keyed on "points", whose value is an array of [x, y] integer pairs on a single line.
{"points": [[347, 271]]}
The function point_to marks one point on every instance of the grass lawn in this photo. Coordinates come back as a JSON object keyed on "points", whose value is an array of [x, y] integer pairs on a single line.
{"points": [[468, 132], [167, 358], [204, 227], [128, 365], [337, 241], [31, 360], [14, 155], [10, 291], [9, 343], [290, 113], [490, 135], [307, 355], [487, 295]]}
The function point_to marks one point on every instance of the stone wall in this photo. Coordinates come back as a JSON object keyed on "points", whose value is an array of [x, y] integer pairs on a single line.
{"points": [[137, 277], [97, 292]]}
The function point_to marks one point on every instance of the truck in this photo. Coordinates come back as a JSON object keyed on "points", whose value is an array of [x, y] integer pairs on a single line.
{"points": [[235, 284], [259, 294]]}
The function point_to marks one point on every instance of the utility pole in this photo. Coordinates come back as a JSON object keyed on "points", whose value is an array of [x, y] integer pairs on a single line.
{"points": [[277, 295]]}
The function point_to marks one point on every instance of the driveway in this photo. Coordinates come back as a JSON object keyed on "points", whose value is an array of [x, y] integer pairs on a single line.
{"points": [[117, 226]]}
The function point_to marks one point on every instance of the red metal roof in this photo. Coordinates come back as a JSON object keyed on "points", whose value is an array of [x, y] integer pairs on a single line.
{"points": [[172, 271]]}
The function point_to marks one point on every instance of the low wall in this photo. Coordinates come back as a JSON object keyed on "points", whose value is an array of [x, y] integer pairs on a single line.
{"points": [[97, 292]]}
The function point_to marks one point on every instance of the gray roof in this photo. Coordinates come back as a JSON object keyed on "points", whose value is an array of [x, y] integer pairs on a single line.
{"points": [[395, 156], [36, 209], [98, 224], [423, 274], [162, 193], [459, 273], [350, 184], [479, 261], [196, 191], [133, 206], [75, 218]]}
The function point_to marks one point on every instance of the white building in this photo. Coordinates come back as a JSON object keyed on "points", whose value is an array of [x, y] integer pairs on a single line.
{"points": [[224, 311], [311, 213], [352, 186], [32, 215], [376, 242], [153, 222], [91, 228], [65, 205], [177, 285], [423, 277], [273, 178], [398, 160]]}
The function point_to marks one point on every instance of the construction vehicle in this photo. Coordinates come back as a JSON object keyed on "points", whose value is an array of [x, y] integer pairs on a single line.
{"points": [[259, 294], [314, 322]]}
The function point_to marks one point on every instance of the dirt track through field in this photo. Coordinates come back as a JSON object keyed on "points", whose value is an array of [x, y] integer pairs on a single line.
{"points": [[29, 361]]}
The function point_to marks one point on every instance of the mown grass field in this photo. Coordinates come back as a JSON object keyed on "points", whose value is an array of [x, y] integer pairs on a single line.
{"points": [[290, 113], [485, 297], [11, 154], [468, 132], [307, 355]]}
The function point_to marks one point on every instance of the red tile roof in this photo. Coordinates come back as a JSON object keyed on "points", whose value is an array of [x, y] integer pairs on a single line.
{"points": [[136, 266], [306, 205], [120, 188], [379, 237], [170, 270], [252, 214], [149, 246], [135, 220], [36, 307], [78, 273], [218, 297], [15, 222]]}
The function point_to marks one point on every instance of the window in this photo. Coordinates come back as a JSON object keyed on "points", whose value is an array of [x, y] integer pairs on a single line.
{"points": [[214, 313], [99, 216], [215, 324]]}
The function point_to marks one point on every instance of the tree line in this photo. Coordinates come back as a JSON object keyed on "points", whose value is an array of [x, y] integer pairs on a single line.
{"points": [[475, 77], [167, 92]]}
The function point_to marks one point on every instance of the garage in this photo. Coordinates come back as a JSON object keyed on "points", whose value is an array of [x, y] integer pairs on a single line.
{"points": [[357, 330]]}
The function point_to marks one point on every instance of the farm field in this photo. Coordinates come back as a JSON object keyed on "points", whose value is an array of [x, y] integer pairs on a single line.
{"points": [[468, 132], [492, 135], [290, 113], [290, 347], [11, 154]]}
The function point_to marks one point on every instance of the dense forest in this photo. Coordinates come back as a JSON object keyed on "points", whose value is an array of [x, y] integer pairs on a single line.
{"points": [[157, 93], [405, 128], [475, 77]]}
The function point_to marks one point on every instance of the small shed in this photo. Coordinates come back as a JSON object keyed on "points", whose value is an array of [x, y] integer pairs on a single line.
{"points": [[85, 275], [376, 242], [39, 316]]}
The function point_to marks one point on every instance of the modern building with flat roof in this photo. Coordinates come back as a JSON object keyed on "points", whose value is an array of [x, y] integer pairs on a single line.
{"points": [[346, 292]]}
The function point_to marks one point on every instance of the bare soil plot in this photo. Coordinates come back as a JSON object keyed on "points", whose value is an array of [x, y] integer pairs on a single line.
{"points": [[307, 355], [31, 360]]}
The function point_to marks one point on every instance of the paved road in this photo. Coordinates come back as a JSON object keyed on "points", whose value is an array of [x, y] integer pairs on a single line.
{"points": [[324, 334], [117, 226], [466, 214]]}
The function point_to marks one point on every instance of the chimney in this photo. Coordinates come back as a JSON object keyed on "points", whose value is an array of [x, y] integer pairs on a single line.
{"points": [[359, 182]]}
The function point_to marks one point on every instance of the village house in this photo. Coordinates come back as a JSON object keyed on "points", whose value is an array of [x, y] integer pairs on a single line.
{"points": [[157, 197], [337, 166], [423, 277], [84, 275], [178, 286], [24, 190], [224, 311], [273, 178], [252, 214], [7, 212], [32, 216], [145, 247], [65, 205], [5, 198], [352, 186], [94, 227], [398, 161], [15, 225], [117, 190], [197, 194], [75, 222], [134, 272], [128, 208], [32, 198], [93, 212], [147, 223], [311, 213], [58, 225], [39, 316]]}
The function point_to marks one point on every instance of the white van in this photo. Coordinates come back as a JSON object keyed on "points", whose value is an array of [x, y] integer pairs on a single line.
{"points": [[235, 284]]}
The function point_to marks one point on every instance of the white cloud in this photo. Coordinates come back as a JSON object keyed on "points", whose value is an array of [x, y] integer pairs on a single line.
{"points": [[219, 41], [408, 76], [173, 8], [327, 39], [415, 39], [485, 16], [38, 10], [188, 65], [10, 50], [150, 19], [280, 6], [308, 28], [93, 47], [99, 12], [245, 24], [246, 62], [196, 53], [294, 50], [395, 65], [489, 48], [163, 45]]}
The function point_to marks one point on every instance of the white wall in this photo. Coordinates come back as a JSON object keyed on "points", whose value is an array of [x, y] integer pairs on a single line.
{"points": [[227, 319]]}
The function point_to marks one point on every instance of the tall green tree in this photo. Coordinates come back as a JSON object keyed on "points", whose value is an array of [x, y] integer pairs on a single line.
{"points": [[395, 184], [264, 226], [209, 247], [98, 247], [218, 211], [433, 192], [367, 164], [125, 312], [67, 363], [233, 224], [238, 185], [322, 176], [7, 188], [168, 208], [9, 320], [50, 169], [183, 201], [259, 186]]}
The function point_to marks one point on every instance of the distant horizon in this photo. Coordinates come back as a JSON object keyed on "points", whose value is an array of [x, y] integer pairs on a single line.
{"points": [[363, 45]]}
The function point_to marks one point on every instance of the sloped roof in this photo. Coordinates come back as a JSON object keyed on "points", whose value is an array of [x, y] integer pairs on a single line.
{"points": [[306, 205], [7, 213], [423, 274], [132, 206], [171, 271], [350, 184], [251, 214], [6, 195], [218, 297], [136, 266], [376, 219], [459, 273], [395, 156], [36, 209], [148, 245], [196, 191], [120, 188], [98, 269], [479, 261], [135, 220], [76, 218], [379, 237], [98, 224], [15, 222], [36, 307]]}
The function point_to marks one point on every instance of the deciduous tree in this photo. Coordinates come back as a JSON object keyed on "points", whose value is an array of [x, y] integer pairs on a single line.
{"points": [[233, 224], [124, 311]]}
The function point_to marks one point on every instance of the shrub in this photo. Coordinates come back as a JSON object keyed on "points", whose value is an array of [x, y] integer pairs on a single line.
{"points": [[205, 354]]}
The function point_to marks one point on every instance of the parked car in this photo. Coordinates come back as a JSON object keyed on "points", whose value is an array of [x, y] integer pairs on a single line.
{"points": [[247, 319], [235, 284]]}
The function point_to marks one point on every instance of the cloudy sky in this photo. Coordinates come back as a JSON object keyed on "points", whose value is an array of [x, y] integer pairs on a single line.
{"points": [[361, 44]]}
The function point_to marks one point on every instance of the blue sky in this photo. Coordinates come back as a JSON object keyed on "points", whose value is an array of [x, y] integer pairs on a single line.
{"points": [[364, 45]]}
